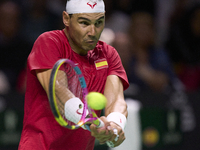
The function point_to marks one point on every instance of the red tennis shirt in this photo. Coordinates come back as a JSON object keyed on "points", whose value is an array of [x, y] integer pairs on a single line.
{"points": [[40, 130]]}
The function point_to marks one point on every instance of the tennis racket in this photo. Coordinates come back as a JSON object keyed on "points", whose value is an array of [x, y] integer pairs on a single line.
{"points": [[66, 82]]}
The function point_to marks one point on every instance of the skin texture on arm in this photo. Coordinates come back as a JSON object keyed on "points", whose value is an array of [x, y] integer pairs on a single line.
{"points": [[115, 96], [62, 92]]}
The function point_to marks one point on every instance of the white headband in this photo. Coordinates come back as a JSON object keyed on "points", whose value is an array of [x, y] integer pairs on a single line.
{"points": [[85, 6]]}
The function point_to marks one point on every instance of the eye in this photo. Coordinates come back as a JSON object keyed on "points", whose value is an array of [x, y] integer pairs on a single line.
{"points": [[99, 23], [85, 23]]}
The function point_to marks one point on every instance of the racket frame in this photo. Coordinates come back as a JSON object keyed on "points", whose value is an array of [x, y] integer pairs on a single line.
{"points": [[52, 97]]}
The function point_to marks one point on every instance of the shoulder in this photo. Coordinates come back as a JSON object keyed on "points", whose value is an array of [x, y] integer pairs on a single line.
{"points": [[51, 35], [55, 37], [105, 47], [109, 52]]}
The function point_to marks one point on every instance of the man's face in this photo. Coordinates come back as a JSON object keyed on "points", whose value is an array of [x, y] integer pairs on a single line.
{"points": [[84, 31]]}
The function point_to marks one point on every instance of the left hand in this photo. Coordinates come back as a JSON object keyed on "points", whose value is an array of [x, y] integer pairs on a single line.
{"points": [[102, 134], [106, 133], [120, 134]]}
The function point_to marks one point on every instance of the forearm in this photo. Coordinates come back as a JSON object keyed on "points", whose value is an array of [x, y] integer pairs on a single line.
{"points": [[66, 101], [115, 112], [117, 106], [60, 83], [114, 94]]}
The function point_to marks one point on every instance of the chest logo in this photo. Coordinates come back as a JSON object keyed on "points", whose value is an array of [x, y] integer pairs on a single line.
{"points": [[101, 63]]}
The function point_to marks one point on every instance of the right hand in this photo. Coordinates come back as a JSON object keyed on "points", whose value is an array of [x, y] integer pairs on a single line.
{"points": [[102, 134]]}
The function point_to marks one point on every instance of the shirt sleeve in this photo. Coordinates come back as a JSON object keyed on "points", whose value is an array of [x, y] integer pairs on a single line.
{"points": [[45, 52], [115, 66]]}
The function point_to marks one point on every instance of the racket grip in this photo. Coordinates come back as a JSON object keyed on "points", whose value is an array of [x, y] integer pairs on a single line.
{"points": [[101, 124]]}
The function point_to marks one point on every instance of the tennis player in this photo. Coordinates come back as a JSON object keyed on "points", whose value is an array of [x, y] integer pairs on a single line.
{"points": [[102, 68]]}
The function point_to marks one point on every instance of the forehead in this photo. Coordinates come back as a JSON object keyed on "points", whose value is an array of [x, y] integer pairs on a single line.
{"points": [[89, 16]]}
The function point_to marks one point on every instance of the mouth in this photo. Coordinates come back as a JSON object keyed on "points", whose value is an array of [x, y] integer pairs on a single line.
{"points": [[91, 42]]}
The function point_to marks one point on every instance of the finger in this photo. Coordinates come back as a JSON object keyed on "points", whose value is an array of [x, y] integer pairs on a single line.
{"points": [[115, 134], [105, 136], [117, 138], [120, 139], [113, 139]]}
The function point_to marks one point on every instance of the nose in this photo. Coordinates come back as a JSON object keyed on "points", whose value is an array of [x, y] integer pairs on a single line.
{"points": [[92, 30]]}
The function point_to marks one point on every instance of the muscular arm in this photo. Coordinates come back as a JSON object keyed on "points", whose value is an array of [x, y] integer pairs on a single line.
{"points": [[114, 93], [116, 103], [61, 91]]}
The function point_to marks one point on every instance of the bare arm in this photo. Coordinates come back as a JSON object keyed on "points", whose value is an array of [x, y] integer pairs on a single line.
{"points": [[116, 103], [61, 85], [43, 76], [114, 93]]}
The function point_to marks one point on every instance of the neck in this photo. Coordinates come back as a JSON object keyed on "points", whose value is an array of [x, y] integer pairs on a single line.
{"points": [[73, 45]]}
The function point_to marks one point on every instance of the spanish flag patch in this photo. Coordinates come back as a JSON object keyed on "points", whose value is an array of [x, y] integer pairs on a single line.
{"points": [[101, 63]]}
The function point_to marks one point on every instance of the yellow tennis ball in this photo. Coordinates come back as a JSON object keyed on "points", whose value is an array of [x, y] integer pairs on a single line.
{"points": [[96, 100]]}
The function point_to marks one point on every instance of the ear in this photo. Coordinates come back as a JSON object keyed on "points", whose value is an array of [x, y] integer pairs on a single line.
{"points": [[66, 18]]}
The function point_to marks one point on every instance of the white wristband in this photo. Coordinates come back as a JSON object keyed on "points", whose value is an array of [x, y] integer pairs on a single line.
{"points": [[74, 110], [72, 106], [117, 118]]}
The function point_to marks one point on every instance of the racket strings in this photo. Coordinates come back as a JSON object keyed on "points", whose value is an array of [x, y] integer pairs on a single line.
{"points": [[60, 106], [74, 86], [73, 81], [68, 87]]}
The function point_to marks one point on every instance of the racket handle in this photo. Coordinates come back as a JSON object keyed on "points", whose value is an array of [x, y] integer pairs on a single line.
{"points": [[101, 123]]}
